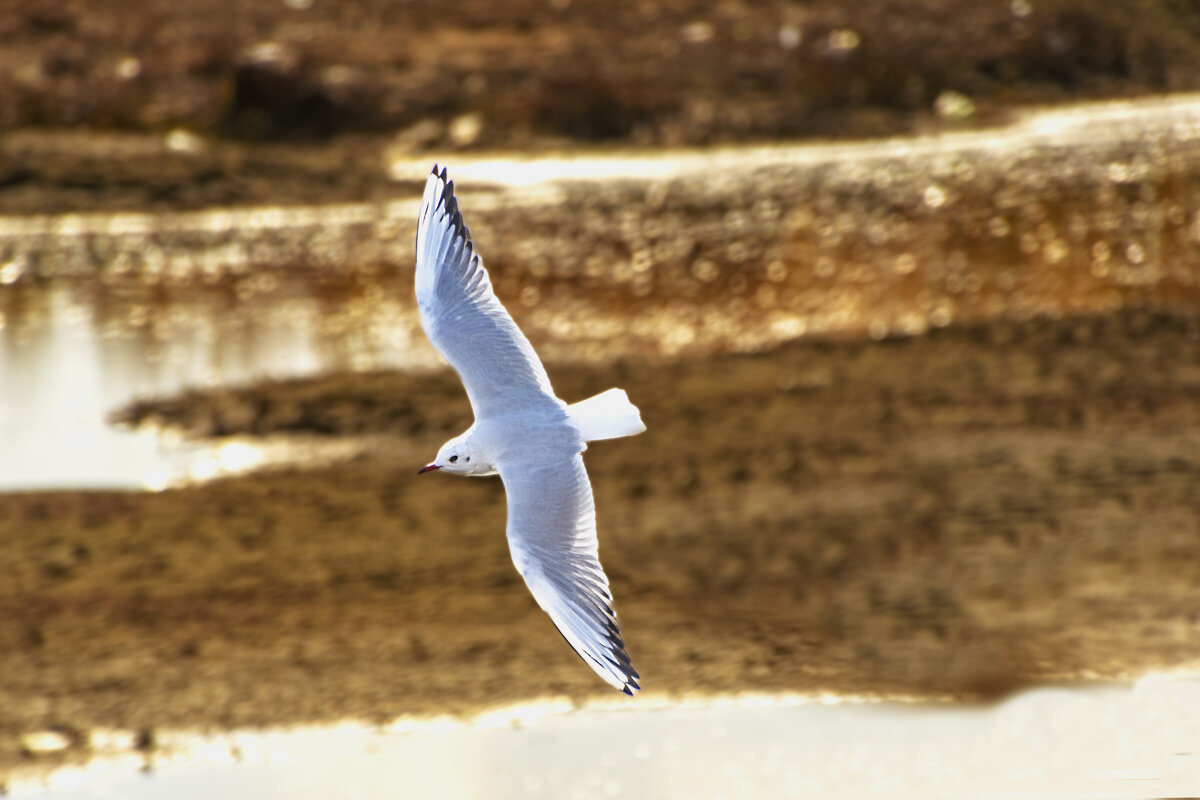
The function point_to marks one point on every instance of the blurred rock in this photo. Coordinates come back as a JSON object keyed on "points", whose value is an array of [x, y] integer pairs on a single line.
{"points": [[954, 105], [43, 742], [465, 129]]}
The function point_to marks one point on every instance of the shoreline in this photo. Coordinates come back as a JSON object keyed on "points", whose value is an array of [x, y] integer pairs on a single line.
{"points": [[982, 739]]}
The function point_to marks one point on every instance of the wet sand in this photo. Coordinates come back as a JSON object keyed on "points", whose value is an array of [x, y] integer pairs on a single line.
{"points": [[962, 514]]}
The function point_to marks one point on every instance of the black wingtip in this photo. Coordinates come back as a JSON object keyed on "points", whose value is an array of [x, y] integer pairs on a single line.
{"points": [[450, 203], [622, 662]]}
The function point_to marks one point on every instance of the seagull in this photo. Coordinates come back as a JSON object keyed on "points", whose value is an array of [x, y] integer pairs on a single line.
{"points": [[525, 434]]}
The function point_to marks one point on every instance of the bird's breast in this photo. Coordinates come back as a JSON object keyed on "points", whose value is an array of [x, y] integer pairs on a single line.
{"points": [[507, 439]]}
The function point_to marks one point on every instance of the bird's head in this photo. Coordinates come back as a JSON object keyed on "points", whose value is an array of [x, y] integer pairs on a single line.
{"points": [[458, 457]]}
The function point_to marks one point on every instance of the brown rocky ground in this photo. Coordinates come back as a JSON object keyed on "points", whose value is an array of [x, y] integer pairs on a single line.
{"points": [[296, 101], [665, 72], [964, 513]]}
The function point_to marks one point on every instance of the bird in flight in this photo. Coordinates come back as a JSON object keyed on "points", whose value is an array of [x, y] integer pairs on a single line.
{"points": [[524, 433]]}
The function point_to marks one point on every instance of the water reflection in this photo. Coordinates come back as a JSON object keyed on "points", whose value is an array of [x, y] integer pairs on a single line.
{"points": [[56, 390], [68, 358], [1112, 742]]}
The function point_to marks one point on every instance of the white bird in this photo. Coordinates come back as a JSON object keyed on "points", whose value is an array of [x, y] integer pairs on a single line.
{"points": [[525, 433]]}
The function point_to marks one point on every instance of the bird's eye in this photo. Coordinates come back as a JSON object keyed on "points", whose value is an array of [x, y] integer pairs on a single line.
{"points": [[453, 459], [468, 458]]}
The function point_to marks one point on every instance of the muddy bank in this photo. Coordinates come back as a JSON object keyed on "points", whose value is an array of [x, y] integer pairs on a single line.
{"points": [[184, 104], [513, 73], [964, 513]]}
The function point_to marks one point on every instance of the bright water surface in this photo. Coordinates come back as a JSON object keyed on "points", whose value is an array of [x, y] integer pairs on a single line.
{"points": [[1110, 742]]}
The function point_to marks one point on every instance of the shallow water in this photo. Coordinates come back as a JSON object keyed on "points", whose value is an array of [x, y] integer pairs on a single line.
{"points": [[1114, 741], [64, 372], [601, 257]]}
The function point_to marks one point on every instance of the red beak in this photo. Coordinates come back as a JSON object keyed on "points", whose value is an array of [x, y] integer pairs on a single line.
{"points": [[428, 468]]}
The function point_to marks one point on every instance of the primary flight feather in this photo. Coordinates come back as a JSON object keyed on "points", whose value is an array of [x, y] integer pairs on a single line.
{"points": [[523, 432]]}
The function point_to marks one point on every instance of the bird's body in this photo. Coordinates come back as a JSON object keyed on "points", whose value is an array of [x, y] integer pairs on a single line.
{"points": [[524, 433]]}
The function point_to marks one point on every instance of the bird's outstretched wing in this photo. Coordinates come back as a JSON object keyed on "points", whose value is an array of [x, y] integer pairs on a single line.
{"points": [[552, 536], [464, 319]]}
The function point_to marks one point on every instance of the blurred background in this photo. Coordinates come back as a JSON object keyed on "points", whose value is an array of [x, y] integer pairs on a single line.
{"points": [[908, 293]]}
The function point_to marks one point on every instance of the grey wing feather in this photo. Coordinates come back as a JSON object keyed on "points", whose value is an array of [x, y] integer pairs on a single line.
{"points": [[463, 317], [552, 536]]}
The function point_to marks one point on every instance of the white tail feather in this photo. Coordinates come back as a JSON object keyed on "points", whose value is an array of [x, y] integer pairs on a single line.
{"points": [[608, 415]]}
